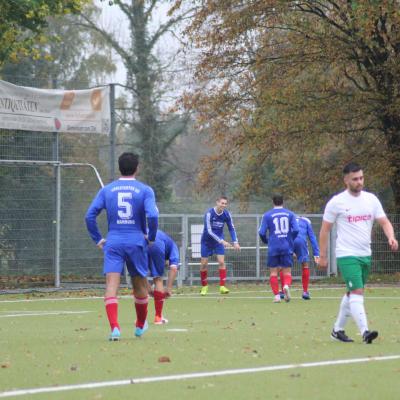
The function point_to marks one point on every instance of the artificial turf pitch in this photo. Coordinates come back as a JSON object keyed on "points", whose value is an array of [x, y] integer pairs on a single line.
{"points": [[57, 340]]}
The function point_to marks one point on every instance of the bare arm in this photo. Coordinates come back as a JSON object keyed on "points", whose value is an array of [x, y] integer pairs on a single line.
{"points": [[323, 243], [173, 270], [389, 233], [232, 232]]}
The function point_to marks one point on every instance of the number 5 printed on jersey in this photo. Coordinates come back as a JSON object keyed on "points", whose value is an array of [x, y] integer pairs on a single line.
{"points": [[124, 206]]}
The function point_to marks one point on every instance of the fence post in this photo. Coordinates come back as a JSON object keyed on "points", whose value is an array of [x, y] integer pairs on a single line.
{"points": [[112, 131], [57, 216], [257, 249], [183, 268], [58, 226]]}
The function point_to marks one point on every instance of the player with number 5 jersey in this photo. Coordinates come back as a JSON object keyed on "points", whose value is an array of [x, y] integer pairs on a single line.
{"points": [[127, 202], [283, 228], [131, 210]]}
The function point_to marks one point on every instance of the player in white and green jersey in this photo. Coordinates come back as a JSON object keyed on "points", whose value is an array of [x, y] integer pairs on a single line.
{"points": [[354, 212]]}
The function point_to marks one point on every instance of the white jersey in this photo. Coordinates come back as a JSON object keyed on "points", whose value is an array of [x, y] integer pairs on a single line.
{"points": [[354, 217]]}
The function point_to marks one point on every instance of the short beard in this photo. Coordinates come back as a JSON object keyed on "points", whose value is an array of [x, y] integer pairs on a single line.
{"points": [[355, 191]]}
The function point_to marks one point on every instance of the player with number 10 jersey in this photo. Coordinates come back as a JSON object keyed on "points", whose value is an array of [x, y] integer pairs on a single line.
{"points": [[283, 228]]}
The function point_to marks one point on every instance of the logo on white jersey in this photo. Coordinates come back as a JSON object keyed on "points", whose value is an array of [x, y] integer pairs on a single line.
{"points": [[359, 218]]}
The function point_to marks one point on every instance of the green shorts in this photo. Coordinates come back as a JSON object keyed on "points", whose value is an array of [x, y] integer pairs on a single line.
{"points": [[355, 271]]}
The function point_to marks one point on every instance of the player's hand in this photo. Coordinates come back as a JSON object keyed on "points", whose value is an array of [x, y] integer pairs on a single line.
{"points": [[226, 244], [393, 244], [236, 246], [167, 292], [148, 241], [323, 263], [316, 259], [100, 245]]}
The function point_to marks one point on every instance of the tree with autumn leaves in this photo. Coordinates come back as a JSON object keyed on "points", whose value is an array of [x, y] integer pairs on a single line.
{"points": [[22, 23], [301, 87]]}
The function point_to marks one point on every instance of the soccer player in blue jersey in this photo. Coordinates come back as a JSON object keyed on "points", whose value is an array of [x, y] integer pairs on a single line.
{"points": [[163, 252], [283, 229], [302, 253], [132, 217], [213, 242]]}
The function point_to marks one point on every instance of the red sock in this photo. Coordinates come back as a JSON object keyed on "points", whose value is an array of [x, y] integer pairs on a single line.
{"points": [[305, 278], [281, 279], [141, 310], [222, 277], [158, 302], [111, 304], [273, 281], [203, 277], [287, 279]]}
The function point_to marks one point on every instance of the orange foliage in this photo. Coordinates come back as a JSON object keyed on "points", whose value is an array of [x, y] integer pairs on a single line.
{"points": [[305, 86]]}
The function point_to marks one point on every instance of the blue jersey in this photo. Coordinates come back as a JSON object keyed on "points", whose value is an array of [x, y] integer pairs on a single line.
{"points": [[163, 249], [283, 229], [213, 231], [171, 251], [306, 231], [128, 203]]}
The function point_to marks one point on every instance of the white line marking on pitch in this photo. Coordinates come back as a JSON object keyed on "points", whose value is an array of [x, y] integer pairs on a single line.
{"points": [[264, 294], [52, 299], [211, 296], [177, 330], [268, 297], [41, 313], [196, 375]]}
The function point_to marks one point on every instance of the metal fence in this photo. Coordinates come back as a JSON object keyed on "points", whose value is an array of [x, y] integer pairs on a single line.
{"points": [[29, 247], [43, 239]]}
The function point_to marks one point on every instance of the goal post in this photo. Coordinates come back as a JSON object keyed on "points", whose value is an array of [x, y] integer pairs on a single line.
{"points": [[57, 216]]}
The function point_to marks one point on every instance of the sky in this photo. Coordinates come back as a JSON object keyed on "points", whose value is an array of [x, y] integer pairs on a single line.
{"points": [[113, 19]]}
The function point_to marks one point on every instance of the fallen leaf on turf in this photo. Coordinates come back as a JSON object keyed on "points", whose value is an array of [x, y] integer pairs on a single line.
{"points": [[164, 359], [6, 365]]}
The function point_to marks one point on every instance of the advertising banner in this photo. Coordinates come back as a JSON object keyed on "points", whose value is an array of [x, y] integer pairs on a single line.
{"points": [[53, 110]]}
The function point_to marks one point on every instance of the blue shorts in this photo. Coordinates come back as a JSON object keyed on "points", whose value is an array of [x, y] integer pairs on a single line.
{"points": [[135, 257], [208, 249], [280, 260], [301, 251], [157, 259]]}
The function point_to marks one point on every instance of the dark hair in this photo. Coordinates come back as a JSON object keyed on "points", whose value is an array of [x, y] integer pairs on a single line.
{"points": [[222, 197], [351, 167], [277, 199], [128, 163]]}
